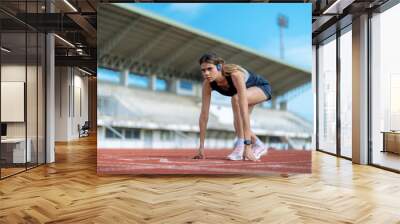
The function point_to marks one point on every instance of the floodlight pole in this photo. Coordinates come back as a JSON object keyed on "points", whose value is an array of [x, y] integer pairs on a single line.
{"points": [[282, 23]]}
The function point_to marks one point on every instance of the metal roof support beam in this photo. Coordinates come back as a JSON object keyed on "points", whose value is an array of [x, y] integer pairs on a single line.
{"points": [[278, 75], [289, 83], [109, 45], [175, 74], [262, 67], [234, 57], [192, 66], [109, 61], [114, 61], [136, 70], [264, 74], [249, 64], [282, 87], [100, 62], [153, 71], [143, 68], [103, 58], [178, 53], [124, 61], [104, 62], [84, 24], [119, 63], [148, 47], [270, 69], [270, 76]]}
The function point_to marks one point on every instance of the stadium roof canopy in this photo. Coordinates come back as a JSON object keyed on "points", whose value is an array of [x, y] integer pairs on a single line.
{"points": [[134, 39]]}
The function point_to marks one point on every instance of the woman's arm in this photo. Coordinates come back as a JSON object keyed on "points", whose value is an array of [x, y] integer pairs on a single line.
{"points": [[205, 107]]}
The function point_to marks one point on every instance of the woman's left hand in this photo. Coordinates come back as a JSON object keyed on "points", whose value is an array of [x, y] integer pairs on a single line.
{"points": [[200, 154], [248, 153]]}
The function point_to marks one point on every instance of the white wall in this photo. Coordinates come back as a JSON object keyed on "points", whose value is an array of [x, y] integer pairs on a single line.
{"points": [[61, 103], [17, 73], [71, 88], [14, 73], [34, 123], [80, 100]]}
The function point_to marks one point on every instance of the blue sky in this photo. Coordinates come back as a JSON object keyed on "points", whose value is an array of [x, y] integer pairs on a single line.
{"points": [[253, 25]]}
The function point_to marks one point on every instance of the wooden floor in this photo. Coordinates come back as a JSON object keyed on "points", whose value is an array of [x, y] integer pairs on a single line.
{"points": [[386, 159], [70, 191], [10, 171]]}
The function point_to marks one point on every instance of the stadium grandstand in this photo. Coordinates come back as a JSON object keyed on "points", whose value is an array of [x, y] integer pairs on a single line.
{"points": [[149, 86]]}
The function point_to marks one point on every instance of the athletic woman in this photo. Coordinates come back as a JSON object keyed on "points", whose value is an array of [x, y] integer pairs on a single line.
{"points": [[246, 90]]}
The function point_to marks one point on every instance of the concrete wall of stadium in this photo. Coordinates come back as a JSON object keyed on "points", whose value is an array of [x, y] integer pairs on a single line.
{"points": [[154, 139]]}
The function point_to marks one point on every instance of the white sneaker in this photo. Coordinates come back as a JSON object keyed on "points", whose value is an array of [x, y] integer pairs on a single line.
{"points": [[238, 142], [237, 153], [259, 150]]}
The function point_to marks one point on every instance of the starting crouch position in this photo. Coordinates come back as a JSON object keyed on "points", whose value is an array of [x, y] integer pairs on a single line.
{"points": [[246, 90]]}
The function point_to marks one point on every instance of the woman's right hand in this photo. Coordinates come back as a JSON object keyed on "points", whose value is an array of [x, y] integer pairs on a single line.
{"points": [[200, 154]]}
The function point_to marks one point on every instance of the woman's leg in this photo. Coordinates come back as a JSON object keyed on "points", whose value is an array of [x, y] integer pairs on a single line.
{"points": [[237, 120], [237, 153], [253, 136], [254, 96]]}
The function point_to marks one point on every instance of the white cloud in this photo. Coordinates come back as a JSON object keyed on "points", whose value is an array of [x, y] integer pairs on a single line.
{"points": [[188, 9]]}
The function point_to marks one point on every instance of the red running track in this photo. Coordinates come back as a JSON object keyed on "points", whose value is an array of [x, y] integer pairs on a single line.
{"points": [[178, 161]]}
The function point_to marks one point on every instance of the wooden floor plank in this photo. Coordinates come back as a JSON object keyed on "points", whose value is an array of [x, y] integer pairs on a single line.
{"points": [[70, 191]]}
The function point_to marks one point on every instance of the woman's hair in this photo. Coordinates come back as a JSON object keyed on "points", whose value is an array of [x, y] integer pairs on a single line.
{"points": [[211, 58], [227, 69]]}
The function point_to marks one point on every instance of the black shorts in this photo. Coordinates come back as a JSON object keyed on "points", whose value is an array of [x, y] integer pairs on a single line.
{"points": [[267, 91]]}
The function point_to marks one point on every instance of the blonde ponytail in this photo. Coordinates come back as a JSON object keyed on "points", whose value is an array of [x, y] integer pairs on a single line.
{"points": [[228, 69]]}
